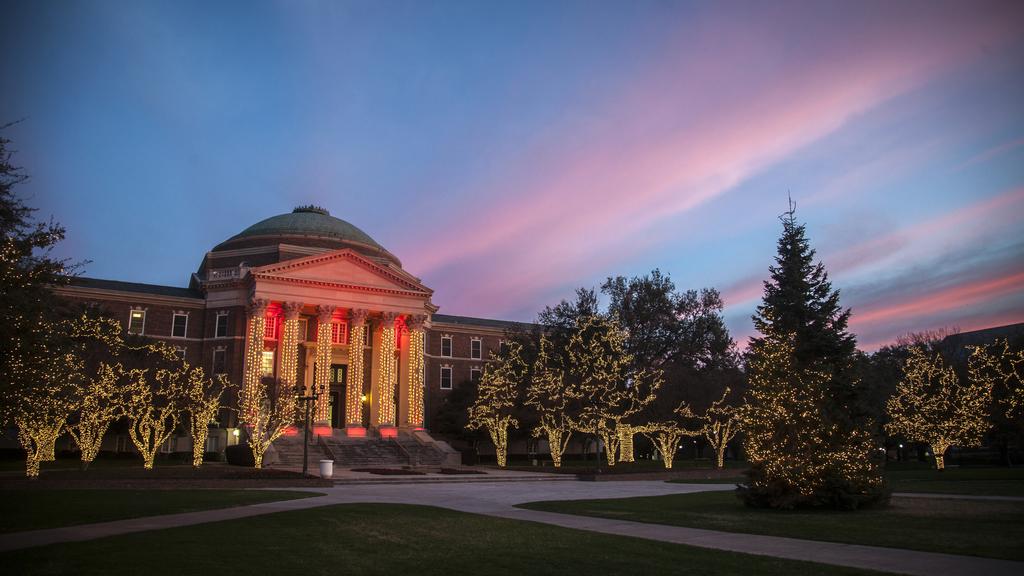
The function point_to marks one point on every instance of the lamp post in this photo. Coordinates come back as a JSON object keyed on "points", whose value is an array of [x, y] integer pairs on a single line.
{"points": [[309, 400]]}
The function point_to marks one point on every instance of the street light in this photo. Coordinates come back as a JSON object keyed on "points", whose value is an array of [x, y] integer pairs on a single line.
{"points": [[308, 400]]}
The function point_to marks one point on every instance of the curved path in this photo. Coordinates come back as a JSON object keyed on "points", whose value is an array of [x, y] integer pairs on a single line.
{"points": [[499, 499]]}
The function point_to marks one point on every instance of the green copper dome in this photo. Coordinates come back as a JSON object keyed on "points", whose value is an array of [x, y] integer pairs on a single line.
{"points": [[306, 226], [307, 221]]}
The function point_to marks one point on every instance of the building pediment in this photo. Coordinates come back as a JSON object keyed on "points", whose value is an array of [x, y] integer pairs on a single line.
{"points": [[343, 270]]}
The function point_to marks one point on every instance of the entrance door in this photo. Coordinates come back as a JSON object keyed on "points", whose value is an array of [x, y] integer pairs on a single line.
{"points": [[338, 372]]}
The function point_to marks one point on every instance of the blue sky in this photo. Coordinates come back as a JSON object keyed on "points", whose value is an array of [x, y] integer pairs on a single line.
{"points": [[509, 152]]}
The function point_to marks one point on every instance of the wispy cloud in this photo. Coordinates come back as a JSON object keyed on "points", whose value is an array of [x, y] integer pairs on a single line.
{"points": [[650, 155]]}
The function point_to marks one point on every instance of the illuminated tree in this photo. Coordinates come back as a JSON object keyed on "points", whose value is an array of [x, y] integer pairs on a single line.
{"points": [[666, 434], [605, 382], [268, 409], [200, 398], [798, 456], [58, 380], [720, 426], [1000, 368], [100, 406], [934, 406], [38, 372], [808, 431], [151, 397], [549, 396], [99, 348], [40, 412], [497, 396]]}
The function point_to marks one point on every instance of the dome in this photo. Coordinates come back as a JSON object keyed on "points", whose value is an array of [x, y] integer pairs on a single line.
{"points": [[307, 226]]}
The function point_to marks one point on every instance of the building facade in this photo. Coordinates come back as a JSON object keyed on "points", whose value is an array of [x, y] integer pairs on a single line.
{"points": [[314, 303]]}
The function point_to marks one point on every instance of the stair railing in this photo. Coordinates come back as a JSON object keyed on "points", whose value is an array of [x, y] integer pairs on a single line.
{"points": [[325, 447], [404, 451]]}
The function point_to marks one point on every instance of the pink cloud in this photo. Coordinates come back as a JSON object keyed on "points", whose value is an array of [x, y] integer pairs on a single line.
{"points": [[646, 155], [983, 216], [959, 296], [990, 153]]}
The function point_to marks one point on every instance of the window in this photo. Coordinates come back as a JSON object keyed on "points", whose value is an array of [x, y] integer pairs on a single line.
{"points": [[221, 330], [137, 322], [475, 373], [220, 357], [270, 328], [446, 377], [268, 363], [475, 348], [169, 446], [446, 347], [180, 351], [303, 329], [367, 335], [502, 348], [179, 325], [339, 332]]}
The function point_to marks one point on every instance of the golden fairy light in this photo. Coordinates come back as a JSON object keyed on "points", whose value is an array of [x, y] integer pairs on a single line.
{"points": [[548, 396], [496, 398], [933, 405], [720, 427], [356, 370]]}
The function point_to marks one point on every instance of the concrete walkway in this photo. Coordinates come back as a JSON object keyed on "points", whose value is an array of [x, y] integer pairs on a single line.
{"points": [[498, 499]]}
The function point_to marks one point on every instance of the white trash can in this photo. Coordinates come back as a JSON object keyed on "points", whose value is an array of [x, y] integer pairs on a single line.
{"points": [[326, 468]]}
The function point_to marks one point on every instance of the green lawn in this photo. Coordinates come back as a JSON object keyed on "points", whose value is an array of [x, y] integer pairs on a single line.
{"points": [[973, 481], [99, 463], [976, 481], [991, 529], [35, 509], [388, 539]]}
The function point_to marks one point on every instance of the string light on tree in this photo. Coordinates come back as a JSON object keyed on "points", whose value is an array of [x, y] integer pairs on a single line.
{"points": [[933, 405], [720, 426], [497, 395], [1000, 368], [201, 400], [608, 388], [549, 397]]}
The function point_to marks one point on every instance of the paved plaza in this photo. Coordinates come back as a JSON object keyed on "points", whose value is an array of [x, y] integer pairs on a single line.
{"points": [[499, 499]]}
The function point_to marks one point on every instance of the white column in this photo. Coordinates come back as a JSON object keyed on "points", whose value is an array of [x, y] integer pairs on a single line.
{"points": [[354, 425]]}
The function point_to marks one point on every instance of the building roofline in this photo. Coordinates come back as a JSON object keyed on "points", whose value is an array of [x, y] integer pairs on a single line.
{"points": [[479, 322], [134, 287]]}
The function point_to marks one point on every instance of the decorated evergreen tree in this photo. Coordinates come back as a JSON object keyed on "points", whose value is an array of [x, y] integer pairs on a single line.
{"points": [[809, 436]]}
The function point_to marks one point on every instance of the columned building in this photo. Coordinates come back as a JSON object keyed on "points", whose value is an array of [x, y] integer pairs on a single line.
{"points": [[314, 303]]}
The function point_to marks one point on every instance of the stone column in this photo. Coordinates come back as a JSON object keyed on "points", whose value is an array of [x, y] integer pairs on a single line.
{"points": [[250, 398], [322, 379], [354, 376], [382, 393], [289, 352], [411, 370]]}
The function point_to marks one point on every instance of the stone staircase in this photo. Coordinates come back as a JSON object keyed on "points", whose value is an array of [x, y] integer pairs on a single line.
{"points": [[364, 452], [374, 452], [288, 453]]}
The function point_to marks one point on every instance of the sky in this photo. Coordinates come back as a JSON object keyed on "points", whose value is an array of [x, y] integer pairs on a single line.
{"points": [[509, 152]]}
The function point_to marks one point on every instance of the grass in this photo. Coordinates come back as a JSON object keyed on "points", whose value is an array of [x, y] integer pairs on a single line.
{"points": [[388, 539], [970, 481], [99, 463], [974, 481], [36, 509], [990, 529]]}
